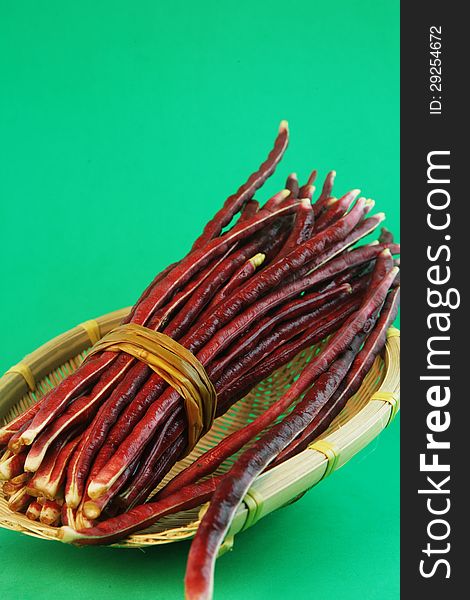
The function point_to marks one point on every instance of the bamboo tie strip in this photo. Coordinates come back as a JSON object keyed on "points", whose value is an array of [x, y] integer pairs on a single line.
{"points": [[92, 329], [23, 369], [331, 453], [174, 364], [391, 399], [254, 503]]}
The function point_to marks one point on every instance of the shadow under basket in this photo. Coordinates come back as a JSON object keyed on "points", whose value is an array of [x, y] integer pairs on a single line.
{"points": [[369, 411]]}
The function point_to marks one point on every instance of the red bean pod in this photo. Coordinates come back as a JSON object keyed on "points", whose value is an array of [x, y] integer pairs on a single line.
{"points": [[290, 310], [115, 436], [146, 484], [198, 259], [90, 510], [18, 423], [79, 412], [12, 466], [349, 225], [50, 513], [383, 265], [307, 190], [286, 352], [95, 434], [55, 400], [14, 485], [148, 289], [386, 236], [244, 272], [245, 192], [347, 260], [320, 203], [317, 269], [337, 210], [319, 364], [218, 275], [360, 367], [302, 229], [265, 281], [239, 323], [168, 398], [34, 510], [19, 500], [250, 209], [214, 457], [167, 437], [161, 317], [152, 388], [232, 488], [292, 184], [253, 369], [135, 442], [50, 476], [142, 516], [15, 444]]}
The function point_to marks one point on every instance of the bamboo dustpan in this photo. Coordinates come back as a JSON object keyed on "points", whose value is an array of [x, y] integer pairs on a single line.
{"points": [[365, 415]]}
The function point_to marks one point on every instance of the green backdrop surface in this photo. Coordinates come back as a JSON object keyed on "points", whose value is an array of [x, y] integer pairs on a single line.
{"points": [[124, 125]]}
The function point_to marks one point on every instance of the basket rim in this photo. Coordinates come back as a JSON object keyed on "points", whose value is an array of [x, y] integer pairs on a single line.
{"points": [[272, 489]]}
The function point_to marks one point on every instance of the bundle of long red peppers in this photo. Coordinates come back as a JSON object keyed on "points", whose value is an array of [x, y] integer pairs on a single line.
{"points": [[260, 284]]}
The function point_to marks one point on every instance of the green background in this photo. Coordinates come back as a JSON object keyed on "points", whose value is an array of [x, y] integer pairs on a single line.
{"points": [[123, 126]]}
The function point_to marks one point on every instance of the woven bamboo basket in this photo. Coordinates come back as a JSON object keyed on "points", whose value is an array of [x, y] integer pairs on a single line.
{"points": [[365, 415]]}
